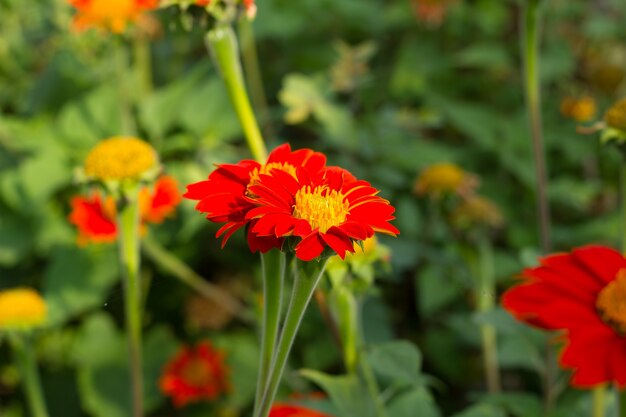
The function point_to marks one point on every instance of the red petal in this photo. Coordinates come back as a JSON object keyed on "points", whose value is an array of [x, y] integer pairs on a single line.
{"points": [[310, 247], [602, 261]]}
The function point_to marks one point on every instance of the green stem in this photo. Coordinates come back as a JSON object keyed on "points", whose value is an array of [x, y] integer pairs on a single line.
{"points": [[251, 66], [125, 101], [128, 230], [303, 288], [599, 397], [178, 269], [143, 66], [222, 43], [533, 102], [274, 265], [25, 357], [621, 402], [345, 308], [486, 302]]}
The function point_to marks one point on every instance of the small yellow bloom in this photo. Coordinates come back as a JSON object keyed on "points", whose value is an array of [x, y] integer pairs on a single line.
{"points": [[121, 158], [477, 211], [444, 178], [21, 309], [615, 117], [581, 109]]}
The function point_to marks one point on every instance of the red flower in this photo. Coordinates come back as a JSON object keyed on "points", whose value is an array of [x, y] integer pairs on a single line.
{"points": [[583, 293], [286, 410], [225, 196], [195, 374], [111, 15], [95, 217], [326, 209]]}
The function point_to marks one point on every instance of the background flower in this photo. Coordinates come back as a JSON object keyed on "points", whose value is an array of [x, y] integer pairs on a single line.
{"points": [[21, 309]]}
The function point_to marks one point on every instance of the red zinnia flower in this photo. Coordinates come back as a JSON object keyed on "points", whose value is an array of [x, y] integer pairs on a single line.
{"points": [[326, 209], [286, 410], [583, 293], [225, 196], [195, 374], [95, 216]]}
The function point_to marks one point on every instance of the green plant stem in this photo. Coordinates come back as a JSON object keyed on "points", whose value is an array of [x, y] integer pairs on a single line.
{"points": [[222, 44], [143, 66], [599, 397], [178, 269], [274, 265], [252, 69], [621, 402], [533, 103], [303, 288], [125, 100], [129, 244], [486, 302], [345, 307], [25, 358]]}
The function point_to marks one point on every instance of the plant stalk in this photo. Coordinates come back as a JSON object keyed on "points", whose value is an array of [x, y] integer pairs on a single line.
{"points": [[599, 401], [129, 245], [124, 90], [222, 44], [621, 402], [25, 358], [303, 288]]}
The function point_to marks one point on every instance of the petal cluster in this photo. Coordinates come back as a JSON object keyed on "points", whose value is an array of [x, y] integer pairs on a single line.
{"points": [[288, 410], [572, 292], [195, 374], [95, 215], [111, 15], [295, 197]]}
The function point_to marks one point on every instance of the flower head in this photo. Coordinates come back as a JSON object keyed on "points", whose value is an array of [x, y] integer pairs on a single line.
{"points": [[21, 309], [225, 196], [95, 215], [477, 211], [288, 410], [443, 179], [583, 293], [111, 15], [329, 209], [121, 158], [195, 374], [580, 109], [615, 117], [431, 12]]}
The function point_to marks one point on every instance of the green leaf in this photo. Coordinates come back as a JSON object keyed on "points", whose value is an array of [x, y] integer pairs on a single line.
{"points": [[416, 402], [399, 361], [345, 391], [519, 404], [78, 280], [481, 410]]}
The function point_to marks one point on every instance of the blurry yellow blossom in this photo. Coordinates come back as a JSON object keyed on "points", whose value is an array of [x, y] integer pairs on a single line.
{"points": [[444, 178], [615, 117], [580, 109], [476, 211], [121, 158], [21, 309]]}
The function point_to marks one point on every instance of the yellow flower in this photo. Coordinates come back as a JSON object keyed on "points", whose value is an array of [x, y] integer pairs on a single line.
{"points": [[581, 109], [615, 117], [121, 158], [444, 178], [477, 211], [21, 309]]}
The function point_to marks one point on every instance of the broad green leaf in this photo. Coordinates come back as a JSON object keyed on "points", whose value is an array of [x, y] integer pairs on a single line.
{"points": [[416, 402], [481, 410], [398, 361]]}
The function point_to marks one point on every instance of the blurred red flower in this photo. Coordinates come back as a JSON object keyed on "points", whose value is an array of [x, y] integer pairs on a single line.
{"points": [[287, 410], [111, 15], [583, 293], [195, 374], [95, 215], [225, 196], [329, 209]]}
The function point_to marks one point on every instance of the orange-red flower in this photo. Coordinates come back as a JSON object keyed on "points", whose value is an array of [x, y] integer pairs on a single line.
{"points": [[582, 293], [195, 374], [225, 196], [326, 209], [287, 410], [95, 215], [111, 15]]}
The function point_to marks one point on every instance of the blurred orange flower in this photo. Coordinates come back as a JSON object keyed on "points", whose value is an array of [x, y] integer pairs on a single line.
{"points": [[431, 12], [195, 374], [287, 410], [95, 216], [111, 15], [580, 109]]}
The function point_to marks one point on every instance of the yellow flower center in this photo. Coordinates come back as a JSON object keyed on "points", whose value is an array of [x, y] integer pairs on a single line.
{"points": [[21, 308], [321, 207], [611, 302], [120, 158], [196, 373], [615, 117], [268, 168]]}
